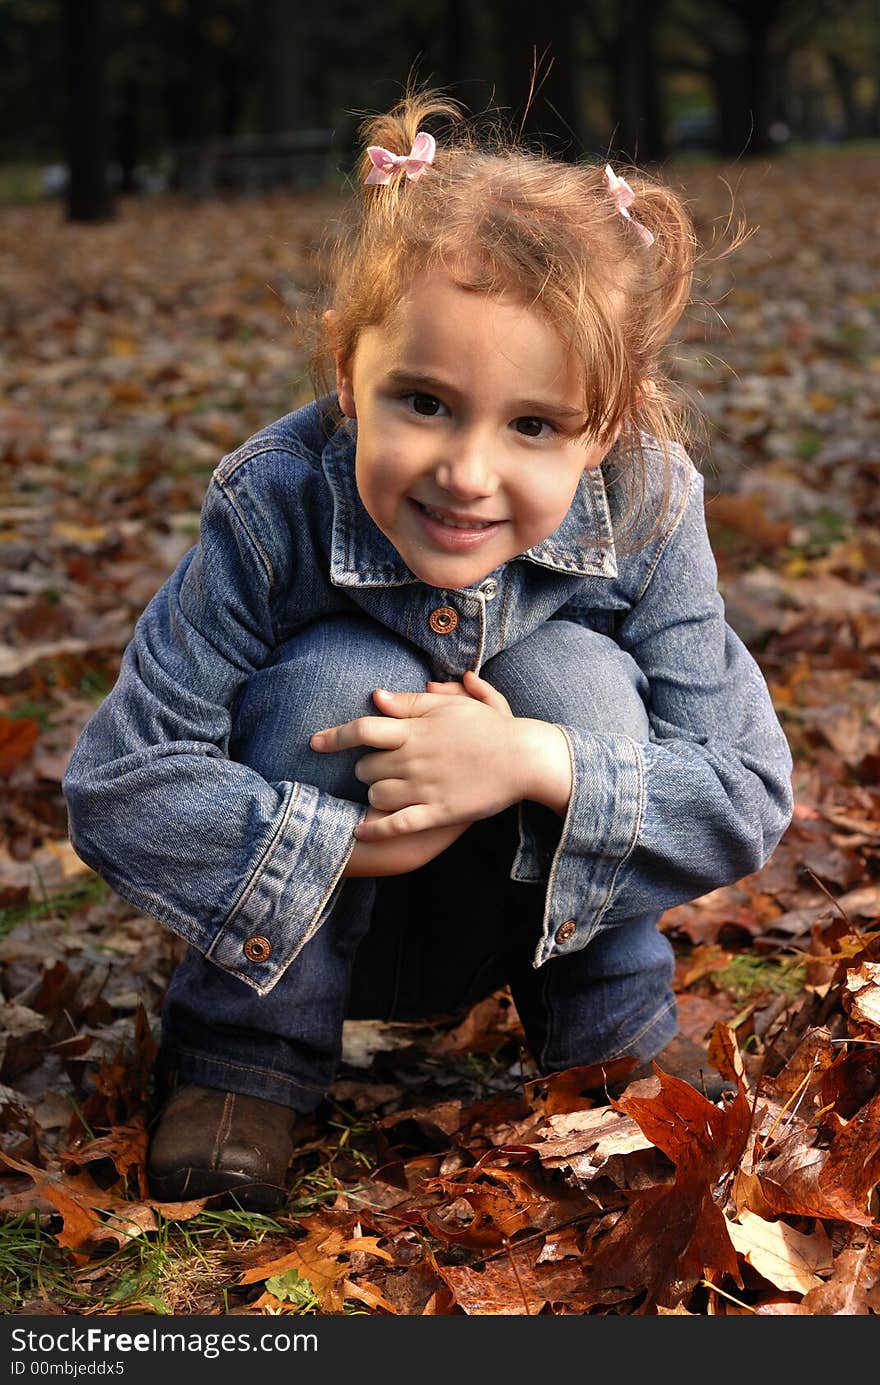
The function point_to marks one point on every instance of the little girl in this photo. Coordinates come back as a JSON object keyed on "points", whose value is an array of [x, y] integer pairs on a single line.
{"points": [[444, 698]]}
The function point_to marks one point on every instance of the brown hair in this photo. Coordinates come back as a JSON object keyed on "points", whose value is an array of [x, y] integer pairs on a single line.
{"points": [[502, 218]]}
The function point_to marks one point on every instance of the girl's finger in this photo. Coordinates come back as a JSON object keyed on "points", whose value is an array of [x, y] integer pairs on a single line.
{"points": [[378, 764], [390, 795], [403, 704], [449, 689], [380, 732], [416, 818], [477, 688]]}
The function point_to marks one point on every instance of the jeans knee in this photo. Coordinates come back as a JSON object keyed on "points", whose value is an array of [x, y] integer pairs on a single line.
{"points": [[565, 673], [323, 676]]}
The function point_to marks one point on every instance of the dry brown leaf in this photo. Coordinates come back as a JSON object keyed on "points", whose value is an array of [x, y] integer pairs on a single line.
{"points": [[498, 1288], [119, 1230], [800, 1179], [854, 1288], [368, 1294], [584, 1141], [863, 985], [78, 1200], [18, 737], [787, 1258], [318, 1257], [125, 1146]]}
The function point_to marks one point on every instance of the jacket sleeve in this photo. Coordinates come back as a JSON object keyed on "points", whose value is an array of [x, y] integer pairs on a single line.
{"points": [[156, 806], [706, 799]]}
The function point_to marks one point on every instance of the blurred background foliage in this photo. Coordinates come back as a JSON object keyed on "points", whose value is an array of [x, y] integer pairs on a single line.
{"points": [[107, 96]]}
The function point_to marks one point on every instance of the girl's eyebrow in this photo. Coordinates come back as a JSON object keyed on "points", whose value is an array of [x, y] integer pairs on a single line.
{"points": [[526, 406]]}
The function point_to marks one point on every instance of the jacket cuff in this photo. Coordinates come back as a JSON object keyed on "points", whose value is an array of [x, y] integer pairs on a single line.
{"points": [[599, 832], [292, 890]]}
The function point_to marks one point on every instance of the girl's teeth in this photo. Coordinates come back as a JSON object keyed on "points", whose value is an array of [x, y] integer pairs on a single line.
{"points": [[456, 523]]}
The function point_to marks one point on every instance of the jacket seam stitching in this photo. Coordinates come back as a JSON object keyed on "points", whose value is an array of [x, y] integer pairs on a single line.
{"points": [[260, 870], [637, 827], [236, 460], [669, 535], [258, 548]]}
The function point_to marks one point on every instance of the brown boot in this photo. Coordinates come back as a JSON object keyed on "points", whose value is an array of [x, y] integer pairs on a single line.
{"points": [[209, 1142], [680, 1058]]}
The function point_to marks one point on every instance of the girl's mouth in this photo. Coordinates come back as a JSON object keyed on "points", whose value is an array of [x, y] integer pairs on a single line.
{"points": [[454, 532], [463, 523]]}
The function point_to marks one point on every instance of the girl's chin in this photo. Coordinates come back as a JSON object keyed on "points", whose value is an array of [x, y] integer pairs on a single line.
{"points": [[456, 576]]}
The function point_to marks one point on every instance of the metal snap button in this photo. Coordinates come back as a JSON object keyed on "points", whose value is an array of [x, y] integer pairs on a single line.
{"points": [[444, 620], [489, 588], [258, 949], [566, 930]]}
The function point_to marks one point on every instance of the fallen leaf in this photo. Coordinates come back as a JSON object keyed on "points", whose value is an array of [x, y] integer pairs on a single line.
{"points": [[787, 1258], [320, 1258], [863, 985], [18, 737], [500, 1288]]}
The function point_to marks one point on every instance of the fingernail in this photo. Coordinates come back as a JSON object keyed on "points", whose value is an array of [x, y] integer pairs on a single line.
{"points": [[316, 739]]}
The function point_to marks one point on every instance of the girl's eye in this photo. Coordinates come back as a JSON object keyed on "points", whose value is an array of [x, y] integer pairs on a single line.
{"points": [[424, 404], [531, 427]]}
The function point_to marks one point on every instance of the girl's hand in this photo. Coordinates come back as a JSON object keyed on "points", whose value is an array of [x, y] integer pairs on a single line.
{"points": [[444, 758], [400, 854], [476, 688]]}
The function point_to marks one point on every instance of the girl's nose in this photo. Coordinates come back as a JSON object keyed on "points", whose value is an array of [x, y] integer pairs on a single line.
{"points": [[467, 472]]}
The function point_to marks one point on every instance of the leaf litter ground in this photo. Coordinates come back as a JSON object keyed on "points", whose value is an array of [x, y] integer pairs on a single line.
{"points": [[442, 1175]]}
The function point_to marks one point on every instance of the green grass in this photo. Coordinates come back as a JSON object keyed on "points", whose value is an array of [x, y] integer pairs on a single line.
{"points": [[32, 1265], [95, 685], [63, 905], [824, 529], [748, 976], [165, 1271], [810, 444], [169, 1268], [40, 712], [21, 183], [181, 1265]]}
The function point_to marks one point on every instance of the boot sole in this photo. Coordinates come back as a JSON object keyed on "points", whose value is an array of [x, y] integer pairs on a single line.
{"points": [[186, 1185]]}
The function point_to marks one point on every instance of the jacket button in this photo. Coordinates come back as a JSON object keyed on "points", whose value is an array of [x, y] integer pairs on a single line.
{"points": [[444, 620], [566, 930], [258, 949]]}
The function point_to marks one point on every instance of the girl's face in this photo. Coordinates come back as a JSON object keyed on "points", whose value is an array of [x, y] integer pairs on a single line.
{"points": [[467, 408]]}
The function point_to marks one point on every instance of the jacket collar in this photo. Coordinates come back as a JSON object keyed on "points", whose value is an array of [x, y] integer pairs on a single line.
{"points": [[361, 555]]}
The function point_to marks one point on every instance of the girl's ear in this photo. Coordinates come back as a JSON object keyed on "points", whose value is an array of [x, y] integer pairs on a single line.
{"points": [[344, 387], [343, 372], [597, 453]]}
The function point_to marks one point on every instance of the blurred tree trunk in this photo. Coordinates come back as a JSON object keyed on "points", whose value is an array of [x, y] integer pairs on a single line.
{"points": [[128, 135], [745, 45], [463, 53], [629, 51], [89, 195], [845, 78], [745, 114], [188, 84], [540, 40], [284, 54]]}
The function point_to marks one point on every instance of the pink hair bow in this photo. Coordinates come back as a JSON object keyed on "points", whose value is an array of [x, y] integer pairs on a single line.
{"points": [[623, 197], [387, 165]]}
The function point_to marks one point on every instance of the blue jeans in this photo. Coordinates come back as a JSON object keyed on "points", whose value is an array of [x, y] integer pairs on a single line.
{"points": [[437, 939]]}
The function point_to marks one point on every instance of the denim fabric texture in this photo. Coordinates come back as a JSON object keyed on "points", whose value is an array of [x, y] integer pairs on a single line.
{"points": [[192, 794], [437, 939]]}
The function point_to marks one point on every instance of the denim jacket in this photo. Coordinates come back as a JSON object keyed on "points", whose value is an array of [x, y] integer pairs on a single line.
{"points": [[217, 853]]}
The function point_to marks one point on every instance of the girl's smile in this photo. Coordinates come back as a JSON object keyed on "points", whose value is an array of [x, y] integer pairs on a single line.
{"points": [[468, 410], [452, 531]]}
